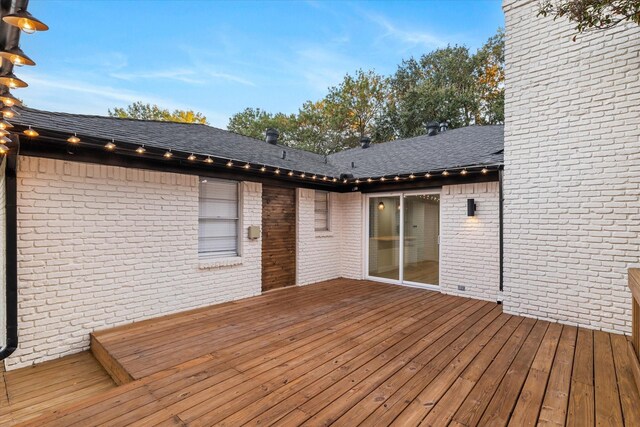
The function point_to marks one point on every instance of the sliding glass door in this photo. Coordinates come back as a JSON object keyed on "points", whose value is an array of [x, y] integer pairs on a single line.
{"points": [[403, 238]]}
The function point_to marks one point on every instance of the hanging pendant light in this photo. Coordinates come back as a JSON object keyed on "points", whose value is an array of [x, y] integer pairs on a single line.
{"points": [[73, 139], [110, 145], [31, 132], [4, 132], [5, 140], [208, 160], [17, 57], [168, 154], [12, 81], [191, 157], [8, 112], [141, 149], [4, 149], [25, 21], [4, 125], [10, 100]]}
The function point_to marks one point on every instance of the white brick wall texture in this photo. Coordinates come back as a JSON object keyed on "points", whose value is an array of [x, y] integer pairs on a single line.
{"points": [[470, 246], [3, 257], [572, 170], [318, 252], [324, 255], [100, 246]]}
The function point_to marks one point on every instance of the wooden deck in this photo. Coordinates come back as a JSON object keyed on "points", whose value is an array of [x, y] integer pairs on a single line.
{"points": [[353, 353], [29, 392]]}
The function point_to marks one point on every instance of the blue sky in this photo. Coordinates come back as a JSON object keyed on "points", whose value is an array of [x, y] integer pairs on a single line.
{"points": [[220, 57]]}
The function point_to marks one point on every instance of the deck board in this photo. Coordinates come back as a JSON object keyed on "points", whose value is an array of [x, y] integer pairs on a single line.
{"points": [[348, 353]]}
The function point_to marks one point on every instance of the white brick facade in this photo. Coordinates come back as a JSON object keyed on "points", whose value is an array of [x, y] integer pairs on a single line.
{"points": [[470, 246], [100, 246], [324, 255], [572, 170]]}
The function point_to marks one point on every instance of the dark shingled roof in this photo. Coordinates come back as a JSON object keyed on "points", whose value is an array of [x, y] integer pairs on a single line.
{"points": [[469, 146]]}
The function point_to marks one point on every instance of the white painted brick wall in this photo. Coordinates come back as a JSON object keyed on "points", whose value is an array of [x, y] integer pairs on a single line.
{"points": [[470, 246], [3, 256], [351, 213], [100, 246], [572, 175], [323, 255], [318, 252]]}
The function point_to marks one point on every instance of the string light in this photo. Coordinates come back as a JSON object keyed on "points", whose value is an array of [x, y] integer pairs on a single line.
{"points": [[8, 112], [314, 177], [464, 172], [383, 179], [445, 173], [73, 139], [9, 100], [208, 160], [30, 132], [3, 149], [3, 132], [4, 125], [229, 163], [302, 175], [263, 168], [412, 176], [369, 179], [4, 140], [427, 175], [345, 180], [397, 178], [290, 173], [25, 21], [12, 81], [277, 171], [141, 149], [324, 178], [110, 145], [192, 157], [334, 180], [168, 154], [485, 170], [247, 166], [17, 57], [357, 181]]}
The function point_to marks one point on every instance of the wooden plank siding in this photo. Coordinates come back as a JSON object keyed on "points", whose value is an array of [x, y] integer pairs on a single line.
{"points": [[278, 237], [358, 353]]}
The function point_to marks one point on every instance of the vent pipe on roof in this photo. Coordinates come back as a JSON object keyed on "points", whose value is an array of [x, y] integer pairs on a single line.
{"points": [[444, 126], [365, 142], [432, 128], [272, 136]]}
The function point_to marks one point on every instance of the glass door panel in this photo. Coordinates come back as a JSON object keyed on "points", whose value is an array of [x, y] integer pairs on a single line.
{"points": [[421, 239], [384, 237]]}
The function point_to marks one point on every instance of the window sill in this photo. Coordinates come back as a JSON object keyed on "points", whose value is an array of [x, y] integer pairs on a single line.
{"points": [[325, 233], [207, 263]]}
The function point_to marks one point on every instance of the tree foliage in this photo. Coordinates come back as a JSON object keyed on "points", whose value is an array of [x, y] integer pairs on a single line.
{"points": [[141, 111], [450, 84], [592, 14]]}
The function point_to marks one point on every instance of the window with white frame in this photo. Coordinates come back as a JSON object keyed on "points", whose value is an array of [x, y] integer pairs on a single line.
{"points": [[218, 218], [322, 210]]}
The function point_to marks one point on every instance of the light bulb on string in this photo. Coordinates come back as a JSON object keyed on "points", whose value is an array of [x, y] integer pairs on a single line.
{"points": [[73, 139]]}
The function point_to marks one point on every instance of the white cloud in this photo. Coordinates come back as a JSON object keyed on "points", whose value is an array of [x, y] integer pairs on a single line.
{"points": [[411, 38]]}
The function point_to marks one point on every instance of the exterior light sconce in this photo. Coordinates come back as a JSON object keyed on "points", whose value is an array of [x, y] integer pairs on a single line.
{"points": [[471, 207], [381, 206]]}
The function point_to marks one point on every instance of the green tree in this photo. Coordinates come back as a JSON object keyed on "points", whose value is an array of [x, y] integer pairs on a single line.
{"points": [[592, 14], [449, 84], [254, 122], [141, 111], [354, 107]]}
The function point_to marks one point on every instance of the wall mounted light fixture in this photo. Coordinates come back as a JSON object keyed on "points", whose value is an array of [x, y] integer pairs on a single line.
{"points": [[471, 207]]}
